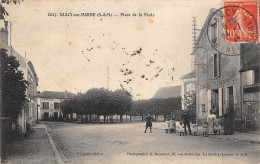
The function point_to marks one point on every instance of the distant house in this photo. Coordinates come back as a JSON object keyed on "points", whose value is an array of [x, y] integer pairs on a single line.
{"points": [[168, 92], [49, 103], [187, 87]]}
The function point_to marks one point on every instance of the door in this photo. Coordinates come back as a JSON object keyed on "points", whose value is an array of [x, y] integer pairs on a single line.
{"points": [[231, 99], [56, 115], [251, 113], [46, 115]]}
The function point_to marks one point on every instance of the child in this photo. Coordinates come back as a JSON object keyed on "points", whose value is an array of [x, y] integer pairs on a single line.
{"points": [[166, 125], [180, 128], [194, 128], [218, 126], [205, 128], [172, 125]]}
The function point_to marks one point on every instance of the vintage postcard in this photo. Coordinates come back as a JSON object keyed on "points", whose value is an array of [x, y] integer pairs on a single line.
{"points": [[128, 81]]}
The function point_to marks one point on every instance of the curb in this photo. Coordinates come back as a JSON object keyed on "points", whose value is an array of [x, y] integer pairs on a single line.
{"points": [[233, 139], [56, 152], [223, 138]]}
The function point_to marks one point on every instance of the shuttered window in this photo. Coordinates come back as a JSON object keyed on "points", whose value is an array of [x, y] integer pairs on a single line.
{"points": [[215, 66]]}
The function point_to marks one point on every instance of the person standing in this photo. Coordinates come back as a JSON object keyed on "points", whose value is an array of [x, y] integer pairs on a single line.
{"points": [[211, 121], [228, 122], [186, 121], [148, 120]]}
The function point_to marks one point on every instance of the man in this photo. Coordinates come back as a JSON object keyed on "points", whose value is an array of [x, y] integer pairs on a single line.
{"points": [[186, 121], [148, 120]]}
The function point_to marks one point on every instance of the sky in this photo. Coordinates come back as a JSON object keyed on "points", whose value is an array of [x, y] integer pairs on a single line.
{"points": [[140, 53]]}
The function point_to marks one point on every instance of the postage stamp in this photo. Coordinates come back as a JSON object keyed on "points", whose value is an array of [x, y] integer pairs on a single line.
{"points": [[241, 21]]}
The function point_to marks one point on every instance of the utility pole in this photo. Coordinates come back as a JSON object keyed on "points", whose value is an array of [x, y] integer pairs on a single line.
{"points": [[194, 40], [194, 32], [11, 48], [107, 77]]}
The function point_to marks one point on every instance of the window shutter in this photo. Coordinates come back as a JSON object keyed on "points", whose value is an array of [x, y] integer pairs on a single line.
{"points": [[217, 32], [212, 66], [235, 94], [218, 65], [220, 101], [209, 100]]}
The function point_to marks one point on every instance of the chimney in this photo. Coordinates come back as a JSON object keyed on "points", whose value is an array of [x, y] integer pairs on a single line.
{"points": [[4, 33]]}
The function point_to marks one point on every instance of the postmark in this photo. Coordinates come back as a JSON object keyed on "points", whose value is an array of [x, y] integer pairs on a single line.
{"points": [[233, 25], [241, 21]]}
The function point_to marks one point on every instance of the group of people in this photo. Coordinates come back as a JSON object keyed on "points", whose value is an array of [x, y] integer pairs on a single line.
{"points": [[214, 125], [211, 126], [185, 116]]}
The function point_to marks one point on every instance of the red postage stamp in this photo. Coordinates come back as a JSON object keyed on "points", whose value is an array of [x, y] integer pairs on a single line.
{"points": [[241, 21]]}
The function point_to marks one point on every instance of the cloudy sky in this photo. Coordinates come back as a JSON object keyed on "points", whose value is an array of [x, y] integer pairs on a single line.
{"points": [[73, 53]]}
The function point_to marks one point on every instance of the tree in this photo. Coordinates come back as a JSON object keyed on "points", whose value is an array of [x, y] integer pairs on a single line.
{"points": [[13, 86], [123, 103], [190, 100], [3, 12], [69, 106]]}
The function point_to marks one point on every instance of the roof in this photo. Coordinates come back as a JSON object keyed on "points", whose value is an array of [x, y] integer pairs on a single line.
{"points": [[189, 75], [250, 59], [56, 95], [167, 92]]}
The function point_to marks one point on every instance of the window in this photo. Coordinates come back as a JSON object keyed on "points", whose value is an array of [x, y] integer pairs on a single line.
{"points": [[56, 105], [215, 66], [214, 32], [203, 107], [45, 105]]}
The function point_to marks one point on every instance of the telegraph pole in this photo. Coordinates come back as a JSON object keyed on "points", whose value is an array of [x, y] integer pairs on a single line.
{"points": [[194, 39], [11, 48], [107, 77], [194, 32]]}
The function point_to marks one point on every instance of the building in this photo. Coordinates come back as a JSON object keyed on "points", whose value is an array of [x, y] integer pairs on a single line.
{"points": [[49, 104], [168, 92], [29, 112], [188, 89], [217, 75], [250, 84]]}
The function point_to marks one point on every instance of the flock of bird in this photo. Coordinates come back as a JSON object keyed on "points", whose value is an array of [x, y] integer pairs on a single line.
{"points": [[129, 76]]}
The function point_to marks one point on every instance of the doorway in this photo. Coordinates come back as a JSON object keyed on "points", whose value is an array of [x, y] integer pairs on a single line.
{"points": [[215, 101], [46, 115]]}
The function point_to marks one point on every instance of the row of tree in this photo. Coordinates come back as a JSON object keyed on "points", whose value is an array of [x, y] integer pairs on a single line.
{"points": [[107, 103], [98, 102], [156, 106]]}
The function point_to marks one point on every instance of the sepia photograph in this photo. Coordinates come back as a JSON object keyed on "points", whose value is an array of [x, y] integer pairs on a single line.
{"points": [[128, 81]]}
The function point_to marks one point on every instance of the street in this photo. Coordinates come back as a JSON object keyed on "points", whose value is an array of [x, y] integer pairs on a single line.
{"points": [[127, 143]]}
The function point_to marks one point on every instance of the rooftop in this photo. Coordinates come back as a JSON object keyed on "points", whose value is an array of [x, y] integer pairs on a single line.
{"points": [[189, 75], [168, 92], [56, 95]]}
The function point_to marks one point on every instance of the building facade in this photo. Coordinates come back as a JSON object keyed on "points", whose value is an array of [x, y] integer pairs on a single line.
{"points": [[29, 111], [250, 88], [217, 75], [49, 104]]}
